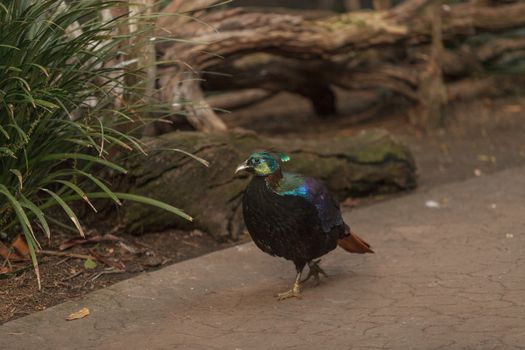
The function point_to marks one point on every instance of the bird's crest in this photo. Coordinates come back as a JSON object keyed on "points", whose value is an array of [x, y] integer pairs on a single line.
{"points": [[283, 157]]}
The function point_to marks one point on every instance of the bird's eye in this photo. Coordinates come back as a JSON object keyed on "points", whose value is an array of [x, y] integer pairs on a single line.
{"points": [[256, 161]]}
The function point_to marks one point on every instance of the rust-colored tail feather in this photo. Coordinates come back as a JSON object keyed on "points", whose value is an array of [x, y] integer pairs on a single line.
{"points": [[354, 244]]}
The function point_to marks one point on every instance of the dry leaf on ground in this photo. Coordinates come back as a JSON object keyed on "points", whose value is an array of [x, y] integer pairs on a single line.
{"points": [[20, 246], [9, 254], [79, 314]]}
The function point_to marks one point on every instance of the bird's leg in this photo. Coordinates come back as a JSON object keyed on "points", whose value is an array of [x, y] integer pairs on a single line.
{"points": [[295, 292], [314, 272]]}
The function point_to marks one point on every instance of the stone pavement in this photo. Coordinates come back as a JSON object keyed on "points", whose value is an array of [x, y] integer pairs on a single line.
{"points": [[447, 278]]}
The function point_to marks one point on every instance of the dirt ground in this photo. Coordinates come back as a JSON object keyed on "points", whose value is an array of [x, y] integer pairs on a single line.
{"points": [[67, 277], [481, 137]]}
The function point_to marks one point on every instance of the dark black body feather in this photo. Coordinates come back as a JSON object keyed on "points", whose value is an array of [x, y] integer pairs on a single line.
{"points": [[292, 226]]}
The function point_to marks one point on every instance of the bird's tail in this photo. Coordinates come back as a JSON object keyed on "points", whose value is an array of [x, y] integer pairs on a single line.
{"points": [[354, 244]]}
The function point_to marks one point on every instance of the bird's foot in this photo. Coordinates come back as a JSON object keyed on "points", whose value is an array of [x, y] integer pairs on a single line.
{"points": [[315, 271], [295, 292]]}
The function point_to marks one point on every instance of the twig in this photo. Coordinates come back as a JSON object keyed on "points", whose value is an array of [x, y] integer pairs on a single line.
{"points": [[89, 239], [7, 262], [72, 276], [115, 230], [62, 260], [142, 244], [107, 262], [69, 255], [128, 248], [107, 272]]}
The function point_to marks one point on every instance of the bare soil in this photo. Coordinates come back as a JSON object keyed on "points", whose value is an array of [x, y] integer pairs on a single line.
{"points": [[480, 137]]}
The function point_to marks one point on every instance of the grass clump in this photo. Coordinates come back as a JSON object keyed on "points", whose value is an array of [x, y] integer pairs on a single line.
{"points": [[60, 78]]}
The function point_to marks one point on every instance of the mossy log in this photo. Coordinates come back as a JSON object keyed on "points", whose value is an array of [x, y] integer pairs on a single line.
{"points": [[369, 163]]}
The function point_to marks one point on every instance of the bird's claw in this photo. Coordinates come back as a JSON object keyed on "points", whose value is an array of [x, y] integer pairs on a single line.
{"points": [[315, 271], [295, 292]]}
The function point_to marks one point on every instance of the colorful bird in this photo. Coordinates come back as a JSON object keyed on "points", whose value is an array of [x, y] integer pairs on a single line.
{"points": [[294, 217]]}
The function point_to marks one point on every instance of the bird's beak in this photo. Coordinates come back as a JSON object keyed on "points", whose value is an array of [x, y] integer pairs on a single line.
{"points": [[242, 167]]}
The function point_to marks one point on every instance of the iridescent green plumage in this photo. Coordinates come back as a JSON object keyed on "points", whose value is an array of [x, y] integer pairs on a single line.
{"points": [[291, 184], [262, 163]]}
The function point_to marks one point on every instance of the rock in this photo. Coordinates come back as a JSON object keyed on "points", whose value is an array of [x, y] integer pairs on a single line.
{"points": [[371, 162]]}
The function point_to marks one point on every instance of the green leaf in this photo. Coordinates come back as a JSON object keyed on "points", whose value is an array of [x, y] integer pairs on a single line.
{"points": [[46, 73], [32, 253], [9, 46], [135, 198], [67, 209], [153, 202], [130, 139], [102, 186], [79, 191], [7, 151], [26, 229], [38, 213], [45, 104], [21, 132], [22, 217], [199, 159], [3, 131], [89, 264], [62, 156]]}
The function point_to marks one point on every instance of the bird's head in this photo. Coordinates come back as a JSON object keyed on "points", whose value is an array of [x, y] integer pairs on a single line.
{"points": [[262, 163]]}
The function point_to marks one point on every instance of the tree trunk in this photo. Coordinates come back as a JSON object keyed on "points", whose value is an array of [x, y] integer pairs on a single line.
{"points": [[432, 90], [381, 5], [371, 162], [142, 83], [352, 5]]}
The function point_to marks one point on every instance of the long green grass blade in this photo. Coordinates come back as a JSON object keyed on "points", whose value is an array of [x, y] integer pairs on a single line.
{"points": [[34, 260], [45, 104], [7, 151], [155, 203], [79, 191], [22, 217], [102, 186], [191, 155], [38, 213], [9, 47], [4, 132], [132, 198], [21, 132], [26, 229], [63, 156], [72, 216]]}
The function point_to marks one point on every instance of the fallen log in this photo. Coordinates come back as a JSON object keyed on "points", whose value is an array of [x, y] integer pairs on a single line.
{"points": [[238, 99], [387, 49], [369, 163]]}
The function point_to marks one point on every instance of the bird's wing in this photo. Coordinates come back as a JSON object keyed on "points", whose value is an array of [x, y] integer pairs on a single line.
{"points": [[316, 194]]}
